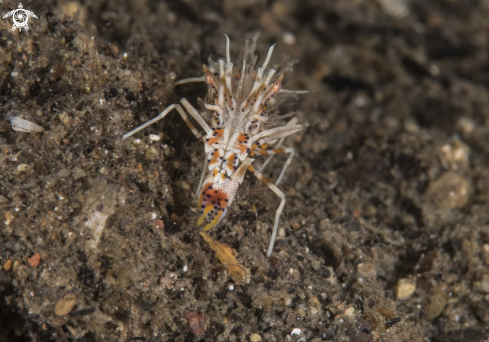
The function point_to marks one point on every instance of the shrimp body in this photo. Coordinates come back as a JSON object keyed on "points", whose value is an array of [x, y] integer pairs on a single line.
{"points": [[239, 105], [239, 130]]}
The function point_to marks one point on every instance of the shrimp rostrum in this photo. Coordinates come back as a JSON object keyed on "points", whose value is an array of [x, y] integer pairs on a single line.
{"points": [[241, 127]]}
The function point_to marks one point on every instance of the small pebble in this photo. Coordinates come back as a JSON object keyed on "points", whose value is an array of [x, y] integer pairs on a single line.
{"points": [[7, 266], [22, 168], [396, 8], [350, 312], [466, 125], [65, 305], [196, 322], [449, 191], [455, 155], [34, 260], [296, 331], [16, 265], [255, 338], [154, 137], [486, 247], [367, 269], [483, 285], [281, 232], [160, 224], [404, 288], [437, 303], [289, 38]]}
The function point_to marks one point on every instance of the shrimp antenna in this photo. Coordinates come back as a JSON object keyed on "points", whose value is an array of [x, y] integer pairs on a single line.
{"points": [[268, 57], [228, 57]]}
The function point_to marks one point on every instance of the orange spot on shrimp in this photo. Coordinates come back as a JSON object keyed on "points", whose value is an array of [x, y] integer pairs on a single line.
{"points": [[215, 158], [242, 148], [212, 141], [243, 138], [213, 205], [214, 136]]}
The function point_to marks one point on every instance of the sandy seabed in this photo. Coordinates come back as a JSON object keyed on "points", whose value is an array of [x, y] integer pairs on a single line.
{"points": [[385, 232]]}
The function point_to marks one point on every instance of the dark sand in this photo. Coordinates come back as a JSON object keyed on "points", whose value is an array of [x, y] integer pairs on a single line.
{"points": [[388, 191]]}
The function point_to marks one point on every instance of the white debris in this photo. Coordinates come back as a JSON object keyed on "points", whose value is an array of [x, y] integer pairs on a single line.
{"points": [[281, 232], [360, 101], [21, 125], [296, 331], [154, 137], [101, 201], [396, 8], [185, 268], [289, 38], [22, 168], [96, 223], [153, 216]]}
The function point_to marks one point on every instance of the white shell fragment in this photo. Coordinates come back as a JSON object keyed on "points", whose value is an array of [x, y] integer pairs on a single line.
{"points": [[296, 331], [154, 137], [21, 125]]}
